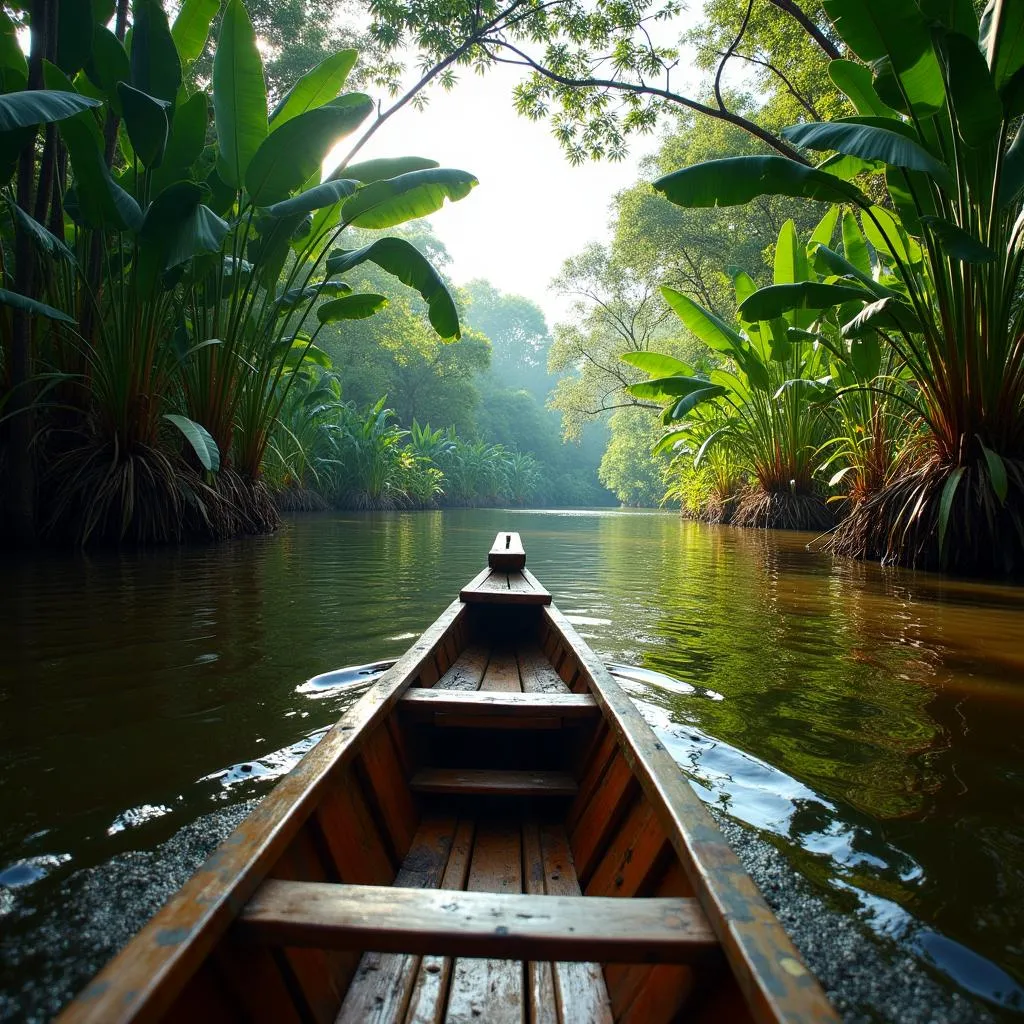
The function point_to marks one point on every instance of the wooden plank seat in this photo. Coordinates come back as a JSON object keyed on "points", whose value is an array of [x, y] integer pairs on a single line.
{"points": [[491, 709], [507, 553], [493, 782], [328, 915], [496, 586], [525, 669]]}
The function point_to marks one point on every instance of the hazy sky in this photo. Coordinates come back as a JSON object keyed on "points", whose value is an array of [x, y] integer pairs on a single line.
{"points": [[531, 210]]}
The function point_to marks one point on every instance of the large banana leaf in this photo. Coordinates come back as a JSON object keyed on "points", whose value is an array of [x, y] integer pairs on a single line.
{"points": [[41, 106], [854, 80], [384, 167], [291, 154], [972, 92], [199, 438], [391, 201], [705, 325], [185, 143], [192, 27], [870, 142], [957, 242], [316, 198], [239, 95], [885, 314], [778, 299], [404, 261], [316, 87], [351, 307], [673, 388], [145, 119], [657, 364], [898, 32], [735, 181], [155, 66], [33, 306], [1009, 53]]}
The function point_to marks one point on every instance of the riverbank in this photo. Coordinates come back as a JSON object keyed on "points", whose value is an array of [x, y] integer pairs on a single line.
{"points": [[100, 908]]}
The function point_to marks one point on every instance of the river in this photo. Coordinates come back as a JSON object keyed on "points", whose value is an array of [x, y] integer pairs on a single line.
{"points": [[868, 721]]}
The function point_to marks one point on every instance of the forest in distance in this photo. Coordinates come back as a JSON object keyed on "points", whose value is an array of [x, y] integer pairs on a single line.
{"points": [[807, 313]]}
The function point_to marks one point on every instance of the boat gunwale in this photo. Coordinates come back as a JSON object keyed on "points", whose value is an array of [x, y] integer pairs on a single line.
{"points": [[744, 923], [160, 959]]}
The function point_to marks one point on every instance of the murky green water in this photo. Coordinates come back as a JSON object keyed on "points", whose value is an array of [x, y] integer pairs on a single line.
{"points": [[871, 721]]}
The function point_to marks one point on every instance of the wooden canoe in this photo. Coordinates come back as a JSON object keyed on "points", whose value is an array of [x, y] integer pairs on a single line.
{"points": [[491, 834]]}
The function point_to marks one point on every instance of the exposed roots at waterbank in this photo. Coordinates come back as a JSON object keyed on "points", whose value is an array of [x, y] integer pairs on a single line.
{"points": [[101, 493], [900, 525], [300, 499], [781, 510]]}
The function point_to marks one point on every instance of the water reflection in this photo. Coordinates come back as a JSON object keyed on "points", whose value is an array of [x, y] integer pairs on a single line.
{"points": [[869, 720]]}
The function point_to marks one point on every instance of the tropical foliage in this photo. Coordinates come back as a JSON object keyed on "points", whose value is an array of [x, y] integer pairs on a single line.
{"points": [[931, 164], [171, 260]]}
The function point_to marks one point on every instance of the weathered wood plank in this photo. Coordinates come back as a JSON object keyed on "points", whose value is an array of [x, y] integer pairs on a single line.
{"points": [[632, 854], [768, 968], [507, 552], [600, 821], [540, 981], [493, 587], [351, 835], [389, 790], [502, 674], [320, 975], [605, 748], [154, 967], [490, 990], [582, 994], [478, 923], [383, 983], [426, 1006], [466, 673], [536, 672], [493, 782], [495, 704]]}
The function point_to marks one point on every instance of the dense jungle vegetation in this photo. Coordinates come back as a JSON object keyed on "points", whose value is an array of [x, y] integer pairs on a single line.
{"points": [[816, 286]]}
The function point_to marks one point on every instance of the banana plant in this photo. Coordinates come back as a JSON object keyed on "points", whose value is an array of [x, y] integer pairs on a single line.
{"points": [[263, 299], [771, 365], [938, 99], [196, 254]]}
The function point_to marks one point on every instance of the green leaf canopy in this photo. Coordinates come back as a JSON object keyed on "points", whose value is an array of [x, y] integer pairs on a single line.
{"points": [[778, 299], [391, 201], [870, 142], [404, 261], [40, 106], [291, 154], [316, 87], [239, 95], [735, 181]]}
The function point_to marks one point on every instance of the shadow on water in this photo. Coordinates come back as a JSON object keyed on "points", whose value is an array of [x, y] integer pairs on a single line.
{"points": [[868, 722]]}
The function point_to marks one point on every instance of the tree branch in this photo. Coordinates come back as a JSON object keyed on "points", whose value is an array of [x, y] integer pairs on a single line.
{"points": [[793, 91], [738, 121], [790, 7]]}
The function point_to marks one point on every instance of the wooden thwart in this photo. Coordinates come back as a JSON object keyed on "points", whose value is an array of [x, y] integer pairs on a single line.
{"points": [[494, 586], [391, 919], [491, 704], [507, 553], [493, 782]]}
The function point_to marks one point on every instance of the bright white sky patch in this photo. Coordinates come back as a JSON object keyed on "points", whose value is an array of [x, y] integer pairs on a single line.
{"points": [[531, 210]]}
